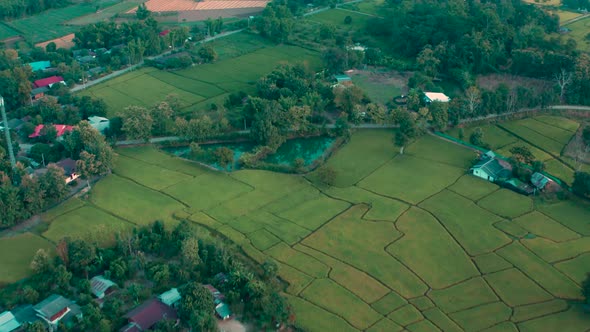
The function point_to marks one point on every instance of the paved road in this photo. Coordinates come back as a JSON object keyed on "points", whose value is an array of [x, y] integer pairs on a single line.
{"points": [[133, 67]]}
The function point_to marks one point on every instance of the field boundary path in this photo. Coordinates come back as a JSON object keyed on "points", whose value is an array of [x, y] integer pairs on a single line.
{"points": [[524, 110], [576, 19], [135, 66]]}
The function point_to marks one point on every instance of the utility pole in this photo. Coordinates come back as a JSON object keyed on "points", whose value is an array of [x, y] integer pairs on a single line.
{"points": [[7, 133]]}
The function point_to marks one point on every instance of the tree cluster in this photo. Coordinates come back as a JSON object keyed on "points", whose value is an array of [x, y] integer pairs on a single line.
{"points": [[180, 257], [19, 8], [276, 22]]}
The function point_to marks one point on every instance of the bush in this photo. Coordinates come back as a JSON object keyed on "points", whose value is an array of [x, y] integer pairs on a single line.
{"points": [[348, 19]]}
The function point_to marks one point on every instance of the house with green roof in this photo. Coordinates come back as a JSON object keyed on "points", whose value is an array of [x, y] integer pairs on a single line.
{"points": [[491, 169], [39, 65], [343, 80], [222, 310], [8, 322]]}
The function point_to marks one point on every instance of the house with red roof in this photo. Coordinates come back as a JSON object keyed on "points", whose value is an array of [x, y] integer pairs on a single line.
{"points": [[164, 33], [49, 81], [147, 315], [61, 129]]}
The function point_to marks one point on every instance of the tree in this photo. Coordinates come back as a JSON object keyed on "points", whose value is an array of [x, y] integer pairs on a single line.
{"points": [[522, 154], [327, 175], [53, 184], [41, 263], [137, 122], [189, 252], [224, 157], [440, 115], [581, 184], [270, 269], [142, 12], [408, 130], [161, 114], [472, 100], [195, 300], [348, 19], [428, 61], [207, 53], [81, 255], [334, 60], [35, 327], [347, 98], [563, 79], [476, 137]]}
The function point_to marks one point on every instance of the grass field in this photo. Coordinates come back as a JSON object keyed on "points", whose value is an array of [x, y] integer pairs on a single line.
{"points": [[579, 30], [51, 24], [198, 86], [371, 7], [7, 32], [336, 17], [402, 242], [104, 13]]}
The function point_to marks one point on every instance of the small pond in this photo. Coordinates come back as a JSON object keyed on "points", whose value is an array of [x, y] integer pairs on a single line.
{"points": [[308, 149]]}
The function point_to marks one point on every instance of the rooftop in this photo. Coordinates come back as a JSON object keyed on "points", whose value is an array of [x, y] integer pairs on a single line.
{"points": [[437, 96], [52, 305], [98, 284], [493, 167], [61, 129], [170, 297], [40, 65], [149, 313], [8, 322], [48, 81]]}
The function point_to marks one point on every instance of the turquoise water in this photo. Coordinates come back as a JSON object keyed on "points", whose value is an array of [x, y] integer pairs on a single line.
{"points": [[309, 149]]}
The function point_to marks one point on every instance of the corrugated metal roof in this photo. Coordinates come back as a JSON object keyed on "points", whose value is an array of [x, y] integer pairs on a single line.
{"points": [[170, 297]]}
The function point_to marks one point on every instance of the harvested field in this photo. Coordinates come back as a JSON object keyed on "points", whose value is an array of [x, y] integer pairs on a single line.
{"points": [[66, 42], [190, 5]]}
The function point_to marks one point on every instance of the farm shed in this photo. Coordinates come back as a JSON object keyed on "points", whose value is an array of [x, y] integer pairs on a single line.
{"points": [[491, 169], [222, 310], [429, 97], [39, 65], [55, 308], [99, 285], [38, 93], [343, 79], [8, 322], [147, 315], [539, 180], [49, 81], [170, 298]]}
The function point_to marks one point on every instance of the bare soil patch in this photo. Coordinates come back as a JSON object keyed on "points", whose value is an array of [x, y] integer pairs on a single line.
{"points": [[66, 42], [492, 81]]}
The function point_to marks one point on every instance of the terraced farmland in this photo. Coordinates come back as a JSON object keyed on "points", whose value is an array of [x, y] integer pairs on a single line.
{"points": [[402, 242]]}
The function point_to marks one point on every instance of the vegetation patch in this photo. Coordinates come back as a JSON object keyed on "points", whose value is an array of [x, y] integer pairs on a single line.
{"points": [[148, 175], [22, 248], [415, 179], [424, 245], [571, 215], [527, 312], [345, 238], [441, 320], [553, 252], [437, 150], [541, 225], [507, 203], [356, 281], [481, 317], [511, 228], [133, 202], [575, 268], [65, 207], [453, 299], [330, 295], [385, 325], [559, 122], [263, 239], [489, 263], [366, 151], [314, 213], [382, 208], [422, 326], [303, 262], [492, 135], [406, 315], [467, 222], [389, 303], [311, 317], [544, 274], [515, 289], [473, 187], [89, 224], [575, 317]]}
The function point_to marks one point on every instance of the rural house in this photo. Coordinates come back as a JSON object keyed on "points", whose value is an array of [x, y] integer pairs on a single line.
{"points": [[221, 309], [49, 81], [56, 308], [429, 97], [25, 314], [170, 298], [99, 285], [147, 315], [342, 79], [540, 181], [38, 93], [8, 322], [61, 129], [69, 167], [491, 169], [39, 65]]}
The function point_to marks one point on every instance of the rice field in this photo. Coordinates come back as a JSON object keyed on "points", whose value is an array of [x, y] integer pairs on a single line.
{"points": [[401, 242]]}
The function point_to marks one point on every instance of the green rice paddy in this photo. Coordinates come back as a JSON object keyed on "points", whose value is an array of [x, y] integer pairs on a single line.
{"points": [[402, 242]]}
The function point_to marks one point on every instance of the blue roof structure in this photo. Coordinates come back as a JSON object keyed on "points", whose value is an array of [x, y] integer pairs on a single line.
{"points": [[8, 322]]}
